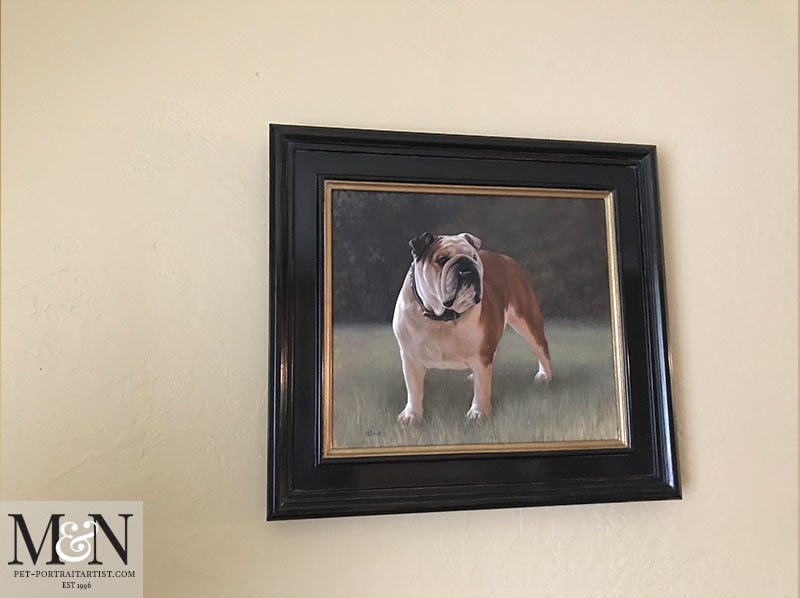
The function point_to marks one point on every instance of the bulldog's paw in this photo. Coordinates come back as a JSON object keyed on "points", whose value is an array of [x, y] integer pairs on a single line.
{"points": [[408, 417], [475, 414], [541, 377]]}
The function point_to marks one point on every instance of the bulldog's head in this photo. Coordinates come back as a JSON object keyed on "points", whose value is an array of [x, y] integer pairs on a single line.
{"points": [[448, 271]]}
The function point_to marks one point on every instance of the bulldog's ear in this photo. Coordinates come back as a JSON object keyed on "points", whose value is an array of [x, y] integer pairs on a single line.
{"points": [[420, 244], [472, 240]]}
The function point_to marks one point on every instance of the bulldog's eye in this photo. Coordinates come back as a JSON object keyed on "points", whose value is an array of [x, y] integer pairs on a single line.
{"points": [[442, 260]]}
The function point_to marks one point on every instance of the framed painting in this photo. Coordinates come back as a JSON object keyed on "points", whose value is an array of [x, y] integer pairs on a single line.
{"points": [[464, 322]]}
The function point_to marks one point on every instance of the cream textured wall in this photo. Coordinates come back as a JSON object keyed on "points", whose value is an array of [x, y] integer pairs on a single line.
{"points": [[134, 274]]}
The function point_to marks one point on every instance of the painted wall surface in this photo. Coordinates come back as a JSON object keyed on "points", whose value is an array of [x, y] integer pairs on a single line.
{"points": [[134, 274]]}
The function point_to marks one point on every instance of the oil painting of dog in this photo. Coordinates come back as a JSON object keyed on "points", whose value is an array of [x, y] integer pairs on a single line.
{"points": [[496, 328]]}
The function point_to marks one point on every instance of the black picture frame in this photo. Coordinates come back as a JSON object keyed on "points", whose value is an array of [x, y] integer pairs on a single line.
{"points": [[301, 483]]}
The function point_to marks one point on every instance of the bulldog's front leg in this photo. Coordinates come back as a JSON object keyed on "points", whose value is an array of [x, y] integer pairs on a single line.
{"points": [[414, 373], [481, 407]]}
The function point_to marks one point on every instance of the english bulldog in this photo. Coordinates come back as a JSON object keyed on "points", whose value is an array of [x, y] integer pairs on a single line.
{"points": [[451, 313]]}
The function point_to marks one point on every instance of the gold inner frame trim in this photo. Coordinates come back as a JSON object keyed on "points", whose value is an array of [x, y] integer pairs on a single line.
{"points": [[622, 439]]}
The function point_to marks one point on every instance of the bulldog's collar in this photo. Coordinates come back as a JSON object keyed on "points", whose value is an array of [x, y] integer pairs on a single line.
{"points": [[448, 315]]}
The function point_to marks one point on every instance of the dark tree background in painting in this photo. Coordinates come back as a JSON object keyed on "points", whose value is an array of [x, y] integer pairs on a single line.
{"points": [[560, 244]]}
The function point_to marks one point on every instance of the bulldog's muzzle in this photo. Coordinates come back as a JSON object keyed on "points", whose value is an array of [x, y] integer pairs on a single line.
{"points": [[467, 275]]}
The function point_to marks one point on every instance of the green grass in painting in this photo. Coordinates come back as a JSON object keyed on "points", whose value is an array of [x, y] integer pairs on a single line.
{"points": [[579, 404]]}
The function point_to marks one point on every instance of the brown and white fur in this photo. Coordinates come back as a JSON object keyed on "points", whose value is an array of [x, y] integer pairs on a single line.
{"points": [[464, 298]]}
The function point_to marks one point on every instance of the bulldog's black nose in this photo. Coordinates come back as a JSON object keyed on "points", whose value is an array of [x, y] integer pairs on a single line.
{"points": [[465, 268]]}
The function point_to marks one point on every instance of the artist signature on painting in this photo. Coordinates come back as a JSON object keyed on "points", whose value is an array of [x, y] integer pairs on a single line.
{"points": [[374, 432]]}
